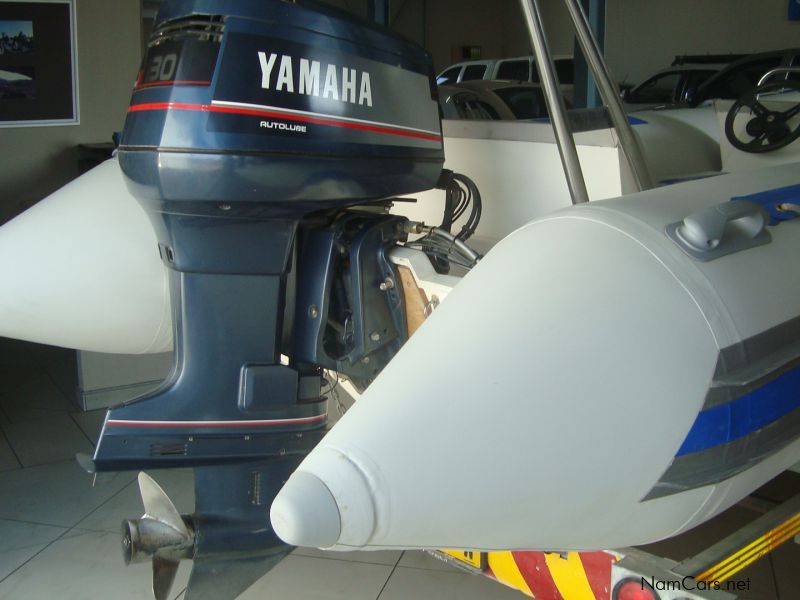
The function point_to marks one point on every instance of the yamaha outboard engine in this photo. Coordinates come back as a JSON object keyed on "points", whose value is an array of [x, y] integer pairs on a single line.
{"points": [[254, 126]]}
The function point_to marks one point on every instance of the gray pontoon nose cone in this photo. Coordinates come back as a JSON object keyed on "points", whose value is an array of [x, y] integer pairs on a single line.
{"points": [[305, 513]]}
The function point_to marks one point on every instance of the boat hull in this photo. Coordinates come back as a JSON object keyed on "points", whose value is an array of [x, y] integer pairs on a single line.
{"points": [[583, 388], [81, 270]]}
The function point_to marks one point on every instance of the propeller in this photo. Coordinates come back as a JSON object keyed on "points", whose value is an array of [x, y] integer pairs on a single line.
{"points": [[228, 537], [160, 535]]}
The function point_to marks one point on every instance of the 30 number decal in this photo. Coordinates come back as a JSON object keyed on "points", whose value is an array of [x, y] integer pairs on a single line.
{"points": [[162, 67]]}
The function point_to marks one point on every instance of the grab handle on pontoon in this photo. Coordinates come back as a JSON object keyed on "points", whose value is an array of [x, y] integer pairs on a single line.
{"points": [[722, 229]]}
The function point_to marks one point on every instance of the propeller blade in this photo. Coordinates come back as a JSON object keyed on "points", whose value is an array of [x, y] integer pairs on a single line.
{"points": [[164, 572], [158, 506]]}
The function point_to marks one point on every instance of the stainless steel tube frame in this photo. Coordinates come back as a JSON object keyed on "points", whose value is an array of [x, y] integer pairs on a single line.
{"points": [[770, 74], [609, 91], [555, 103]]}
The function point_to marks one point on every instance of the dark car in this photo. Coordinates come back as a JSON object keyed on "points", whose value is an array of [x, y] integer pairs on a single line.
{"points": [[742, 76], [669, 86]]}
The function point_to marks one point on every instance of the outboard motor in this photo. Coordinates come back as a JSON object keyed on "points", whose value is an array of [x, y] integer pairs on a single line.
{"points": [[254, 127]]}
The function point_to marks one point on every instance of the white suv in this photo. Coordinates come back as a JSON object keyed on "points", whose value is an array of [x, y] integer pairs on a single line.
{"points": [[466, 71], [522, 68]]}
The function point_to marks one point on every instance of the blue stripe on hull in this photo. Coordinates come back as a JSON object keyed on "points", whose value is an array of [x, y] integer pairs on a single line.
{"points": [[745, 415]]}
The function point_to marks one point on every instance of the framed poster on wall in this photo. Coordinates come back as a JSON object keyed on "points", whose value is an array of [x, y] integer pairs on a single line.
{"points": [[38, 63]]}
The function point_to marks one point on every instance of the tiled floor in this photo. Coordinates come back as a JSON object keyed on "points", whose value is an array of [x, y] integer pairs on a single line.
{"points": [[59, 536]]}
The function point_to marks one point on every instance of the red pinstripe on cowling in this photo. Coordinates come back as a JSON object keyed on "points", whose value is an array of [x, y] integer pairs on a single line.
{"points": [[302, 118]]}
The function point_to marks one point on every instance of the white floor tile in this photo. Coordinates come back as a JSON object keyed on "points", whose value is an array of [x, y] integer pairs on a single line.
{"points": [[90, 422], [84, 565], [339, 401], [15, 353], [305, 578], [389, 557], [59, 494], [20, 541], [46, 440], [785, 561], [28, 393], [421, 584], [177, 483], [7, 459], [61, 366], [761, 579]]}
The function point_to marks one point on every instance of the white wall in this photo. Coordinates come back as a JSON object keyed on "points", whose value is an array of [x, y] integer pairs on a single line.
{"points": [[38, 160], [455, 23], [497, 27], [643, 36], [443, 26]]}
